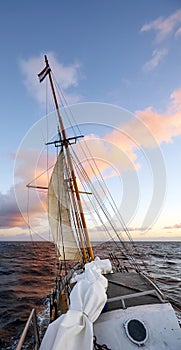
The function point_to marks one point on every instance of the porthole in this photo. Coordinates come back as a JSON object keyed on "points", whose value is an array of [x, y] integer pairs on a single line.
{"points": [[136, 331]]}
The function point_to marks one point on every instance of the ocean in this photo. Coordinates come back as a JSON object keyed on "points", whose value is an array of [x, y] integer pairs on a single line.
{"points": [[28, 271]]}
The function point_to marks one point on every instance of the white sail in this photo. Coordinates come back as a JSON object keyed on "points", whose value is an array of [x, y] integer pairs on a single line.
{"points": [[59, 213]]}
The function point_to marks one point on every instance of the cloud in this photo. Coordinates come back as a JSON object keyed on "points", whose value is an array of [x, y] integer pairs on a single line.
{"points": [[178, 32], [139, 229], [18, 207], [164, 27], [13, 212], [157, 57], [176, 101], [109, 155], [176, 226], [31, 168], [22, 234], [122, 147], [148, 129], [163, 126], [117, 149], [66, 76], [10, 215]]}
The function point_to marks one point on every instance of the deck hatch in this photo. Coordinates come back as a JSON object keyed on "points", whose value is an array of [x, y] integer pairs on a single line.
{"points": [[136, 331]]}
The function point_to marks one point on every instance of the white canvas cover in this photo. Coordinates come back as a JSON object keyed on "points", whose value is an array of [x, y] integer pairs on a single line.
{"points": [[59, 213], [74, 330]]}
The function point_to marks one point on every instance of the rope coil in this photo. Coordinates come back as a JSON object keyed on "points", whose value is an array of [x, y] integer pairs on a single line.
{"points": [[98, 346]]}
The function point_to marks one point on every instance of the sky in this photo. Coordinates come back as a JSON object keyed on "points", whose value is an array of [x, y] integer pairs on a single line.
{"points": [[124, 55]]}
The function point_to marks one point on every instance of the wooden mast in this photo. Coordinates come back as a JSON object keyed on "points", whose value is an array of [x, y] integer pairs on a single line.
{"points": [[63, 132]]}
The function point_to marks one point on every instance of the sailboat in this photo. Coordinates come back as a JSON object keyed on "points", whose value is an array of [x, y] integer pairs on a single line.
{"points": [[97, 303]]}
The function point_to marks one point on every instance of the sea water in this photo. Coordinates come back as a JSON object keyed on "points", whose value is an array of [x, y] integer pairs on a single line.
{"points": [[28, 271]]}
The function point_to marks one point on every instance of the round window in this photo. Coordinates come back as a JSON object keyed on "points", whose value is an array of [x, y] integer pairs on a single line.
{"points": [[136, 331]]}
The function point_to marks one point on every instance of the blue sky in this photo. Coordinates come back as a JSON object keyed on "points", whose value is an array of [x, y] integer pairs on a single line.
{"points": [[125, 53]]}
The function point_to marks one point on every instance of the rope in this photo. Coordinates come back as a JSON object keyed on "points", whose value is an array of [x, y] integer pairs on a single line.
{"points": [[28, 217], [104, 189], [99, 216], [98, 346], [73, 208], [104, 210], [60, 232], [114, 207], [47, 148]]}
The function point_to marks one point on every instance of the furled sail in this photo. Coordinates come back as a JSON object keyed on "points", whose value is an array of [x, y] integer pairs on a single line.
{"points": [[59, 213]]}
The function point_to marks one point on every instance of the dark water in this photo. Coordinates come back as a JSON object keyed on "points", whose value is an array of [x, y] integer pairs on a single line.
{"points": [[27, 277], [28, 272]]}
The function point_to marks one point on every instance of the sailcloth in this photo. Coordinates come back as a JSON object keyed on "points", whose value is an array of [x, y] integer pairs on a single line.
{"points": [[59, 213], [74, 330]]}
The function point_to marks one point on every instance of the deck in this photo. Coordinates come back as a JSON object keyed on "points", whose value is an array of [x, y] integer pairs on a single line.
{"points": [[127, 289]]}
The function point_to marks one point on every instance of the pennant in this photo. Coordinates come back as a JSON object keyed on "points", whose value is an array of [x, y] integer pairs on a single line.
{"points": [[44, 73]]}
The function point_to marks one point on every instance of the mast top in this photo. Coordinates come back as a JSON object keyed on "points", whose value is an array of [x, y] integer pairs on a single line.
{"points": [[46, 60]]}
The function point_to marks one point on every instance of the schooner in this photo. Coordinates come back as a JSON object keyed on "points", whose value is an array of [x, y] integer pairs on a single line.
{"points": [[97, 304]]}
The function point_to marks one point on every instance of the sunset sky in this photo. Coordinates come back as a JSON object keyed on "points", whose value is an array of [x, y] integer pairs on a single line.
{"points": [[120, 61]]}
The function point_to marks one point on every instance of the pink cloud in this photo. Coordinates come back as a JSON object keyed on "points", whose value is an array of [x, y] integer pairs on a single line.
{"points": [[107, 155], [30, 167], [163, 126], [163, 26], [10, 215], [117, 149]]}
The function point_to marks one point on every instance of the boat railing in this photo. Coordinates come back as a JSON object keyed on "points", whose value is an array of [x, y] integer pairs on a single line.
{"points": [[152, 283], [56, 296], [123, 298], [32, 319]]}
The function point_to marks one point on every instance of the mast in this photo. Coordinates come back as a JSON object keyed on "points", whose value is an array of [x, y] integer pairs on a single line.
{"points": [[66, 143]]}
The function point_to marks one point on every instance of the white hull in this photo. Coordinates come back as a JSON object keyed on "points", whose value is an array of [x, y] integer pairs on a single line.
{"points": [[163, 331]]}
